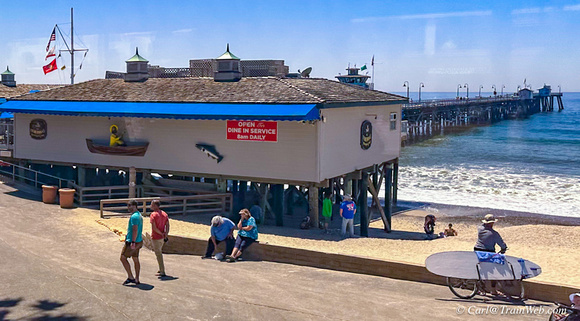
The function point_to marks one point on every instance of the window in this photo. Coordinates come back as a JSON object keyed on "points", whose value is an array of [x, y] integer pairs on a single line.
{"points": [[393, 121]]}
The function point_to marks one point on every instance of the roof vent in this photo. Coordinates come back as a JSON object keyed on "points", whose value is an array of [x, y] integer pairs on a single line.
{"points": [[137, 68], [228, 67], [8, 78]]}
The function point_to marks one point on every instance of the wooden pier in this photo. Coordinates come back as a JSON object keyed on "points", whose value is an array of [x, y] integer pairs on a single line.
{"points": [[423, 120]]}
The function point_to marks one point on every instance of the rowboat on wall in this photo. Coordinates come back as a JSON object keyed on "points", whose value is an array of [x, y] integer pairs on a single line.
{"points": [[135, 150]]}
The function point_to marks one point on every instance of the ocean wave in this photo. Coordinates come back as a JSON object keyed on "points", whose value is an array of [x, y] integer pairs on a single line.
{"points": [[491, 187]]}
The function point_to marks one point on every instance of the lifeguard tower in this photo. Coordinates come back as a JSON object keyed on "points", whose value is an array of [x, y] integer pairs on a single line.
{"points": [[353, 77]]}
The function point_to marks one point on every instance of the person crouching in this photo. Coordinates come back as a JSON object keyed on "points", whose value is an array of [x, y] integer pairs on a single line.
{"points": [[222, 229]]}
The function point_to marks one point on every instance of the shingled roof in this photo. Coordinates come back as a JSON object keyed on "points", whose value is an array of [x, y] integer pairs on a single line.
{"points": [[267, 90], [21, 89]]}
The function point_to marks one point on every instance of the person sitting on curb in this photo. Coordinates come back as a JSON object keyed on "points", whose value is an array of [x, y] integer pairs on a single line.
{"points": [[248, 234], [222, 229]]}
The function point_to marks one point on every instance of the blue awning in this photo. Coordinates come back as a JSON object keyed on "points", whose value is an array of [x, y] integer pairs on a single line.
{"points": [[214, 111]]}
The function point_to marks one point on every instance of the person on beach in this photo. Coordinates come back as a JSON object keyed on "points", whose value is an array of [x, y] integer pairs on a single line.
{"points": [[133, 243], [347, 212], [450, 231], [222, 229], [429, 226], [326, 211], [487, 238], [159, 231], [572, 314], [248, 234]]}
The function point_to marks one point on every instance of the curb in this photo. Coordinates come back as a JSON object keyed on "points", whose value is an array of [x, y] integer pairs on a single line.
{"points": [[542, 291]]}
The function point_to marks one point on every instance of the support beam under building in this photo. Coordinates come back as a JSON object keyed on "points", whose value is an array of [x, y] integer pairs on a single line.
{"points": [[388, 168], [313, 205], [363, 207], [132, 182], [278, 203]]}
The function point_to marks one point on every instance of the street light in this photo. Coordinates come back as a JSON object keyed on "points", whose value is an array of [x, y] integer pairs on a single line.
{"points": [[502, 87], [480, 87], [406, 84], [467, 87], [458, 86], [421, 85], [559, 89], [494, 90], [519, 87]]}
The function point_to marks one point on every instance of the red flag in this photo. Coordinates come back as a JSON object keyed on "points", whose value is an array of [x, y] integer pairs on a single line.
{"points": [[50, 67], [52, 38], [50, 53]]}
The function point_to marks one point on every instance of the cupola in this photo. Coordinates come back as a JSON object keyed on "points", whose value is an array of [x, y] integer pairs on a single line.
{"points": [[8, 78], [137, 68], [228, 67]]}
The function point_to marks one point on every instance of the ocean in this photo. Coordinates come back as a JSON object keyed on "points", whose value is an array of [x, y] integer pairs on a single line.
{"points": [[530, 165]]}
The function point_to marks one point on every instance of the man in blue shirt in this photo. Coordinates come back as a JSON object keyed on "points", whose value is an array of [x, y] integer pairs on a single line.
{"points": [[347, 212], [133, 243], [222, 229]]}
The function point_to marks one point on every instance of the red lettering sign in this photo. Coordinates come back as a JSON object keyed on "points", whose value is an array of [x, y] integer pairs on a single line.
{"points": [[255, 131]]}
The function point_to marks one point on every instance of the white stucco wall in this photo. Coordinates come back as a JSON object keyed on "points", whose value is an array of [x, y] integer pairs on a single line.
{"points": [[340, 150], [172, 146]]}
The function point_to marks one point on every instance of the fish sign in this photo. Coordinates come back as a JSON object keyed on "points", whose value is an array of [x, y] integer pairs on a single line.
{"points": [[210, 151]]}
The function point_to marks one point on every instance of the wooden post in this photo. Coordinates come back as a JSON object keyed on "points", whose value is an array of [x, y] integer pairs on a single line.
{"points": [[132, 182], [290, 199], [222, 185], [81, 176], [395, 181], [375, 195], [363, 207], [313, 205], [278, 203], [388, 186]]}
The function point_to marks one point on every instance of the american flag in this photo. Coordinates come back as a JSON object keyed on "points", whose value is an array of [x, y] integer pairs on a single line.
{"points": [[52, 38]]}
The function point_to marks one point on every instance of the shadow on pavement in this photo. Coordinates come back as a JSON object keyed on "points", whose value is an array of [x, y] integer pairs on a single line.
{"points": [[42, 312], [168, 278]]}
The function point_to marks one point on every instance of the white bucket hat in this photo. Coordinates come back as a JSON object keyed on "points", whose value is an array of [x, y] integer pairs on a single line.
{"points": [[489, 218]]}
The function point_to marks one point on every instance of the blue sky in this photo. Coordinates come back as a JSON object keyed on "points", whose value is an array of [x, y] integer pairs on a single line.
{"points": [[441, 44]]}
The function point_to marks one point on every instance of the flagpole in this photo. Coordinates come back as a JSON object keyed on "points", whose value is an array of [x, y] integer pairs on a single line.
{"points": [[72, 49], [373, 65]]}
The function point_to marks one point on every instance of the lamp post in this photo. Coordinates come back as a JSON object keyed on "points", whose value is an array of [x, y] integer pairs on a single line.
{"points": [[559, 89], [502, 87], [406, 84], [494, 90], [480, 87], [421, 85], [458, 86], [518, 90], [466, 86]]}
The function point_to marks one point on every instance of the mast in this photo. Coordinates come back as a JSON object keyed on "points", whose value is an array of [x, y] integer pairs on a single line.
{"points": [[72, 49]]}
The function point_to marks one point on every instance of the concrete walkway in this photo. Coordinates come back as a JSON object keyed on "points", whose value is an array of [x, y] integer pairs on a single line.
{"points": [[55, 267]]}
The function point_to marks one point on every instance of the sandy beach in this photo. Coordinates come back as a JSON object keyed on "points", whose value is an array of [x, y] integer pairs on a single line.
{"points": [[545, 240]]}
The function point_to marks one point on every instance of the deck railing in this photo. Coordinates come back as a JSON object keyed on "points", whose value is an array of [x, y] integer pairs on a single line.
{"points": [[203, 203], [32, 177]]}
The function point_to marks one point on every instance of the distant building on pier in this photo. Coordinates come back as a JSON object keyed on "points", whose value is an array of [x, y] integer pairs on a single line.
{"points": [[354, 78]]}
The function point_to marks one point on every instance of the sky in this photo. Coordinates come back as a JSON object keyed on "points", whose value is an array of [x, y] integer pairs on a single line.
{"points": [[438, 43]]}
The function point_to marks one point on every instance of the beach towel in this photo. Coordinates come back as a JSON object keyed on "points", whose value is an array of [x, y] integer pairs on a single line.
{"points": [[490, 257]]}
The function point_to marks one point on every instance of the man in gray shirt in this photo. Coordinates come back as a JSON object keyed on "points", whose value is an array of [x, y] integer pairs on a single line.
{"points": [[487, 237]]}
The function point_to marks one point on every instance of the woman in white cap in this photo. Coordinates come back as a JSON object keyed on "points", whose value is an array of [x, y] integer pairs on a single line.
{"points": [[487, 237]]}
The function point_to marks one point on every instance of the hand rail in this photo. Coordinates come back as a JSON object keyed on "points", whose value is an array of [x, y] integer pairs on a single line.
{"points": [[36, 181]]}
